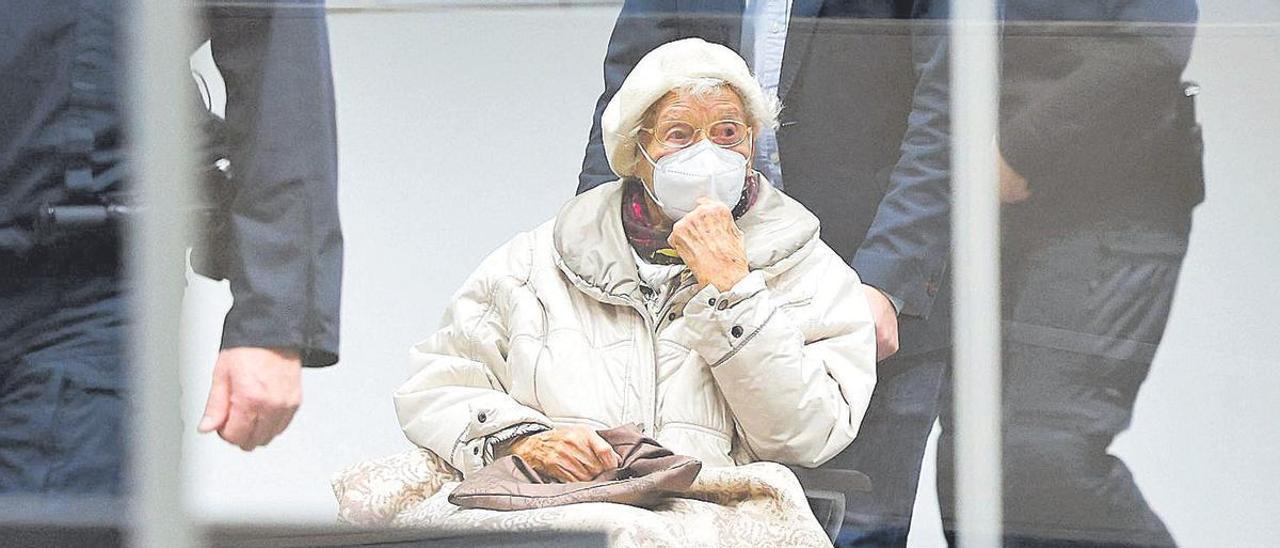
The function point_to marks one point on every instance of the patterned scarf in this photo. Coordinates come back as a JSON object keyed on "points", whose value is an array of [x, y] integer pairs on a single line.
{"points": [[648, 228]]}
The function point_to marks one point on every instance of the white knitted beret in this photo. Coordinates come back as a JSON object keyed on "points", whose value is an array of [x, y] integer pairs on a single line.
{"points": [[668, 67]]}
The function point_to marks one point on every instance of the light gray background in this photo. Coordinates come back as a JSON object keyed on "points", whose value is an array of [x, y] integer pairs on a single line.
{"points": [[460, 126]]}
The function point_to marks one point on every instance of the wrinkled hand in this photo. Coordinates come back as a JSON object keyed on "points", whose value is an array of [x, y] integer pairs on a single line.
{"points": [[711, 245], [1013, 186], [575, 453], [886, 319], [254, 395]]}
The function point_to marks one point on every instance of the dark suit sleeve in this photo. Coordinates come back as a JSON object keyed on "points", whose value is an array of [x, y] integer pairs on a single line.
{"points": [[1110, 97], [906, 249], [284, 257], [642, 26]]}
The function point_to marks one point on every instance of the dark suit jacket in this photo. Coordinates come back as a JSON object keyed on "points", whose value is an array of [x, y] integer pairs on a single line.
{"points": [[62, 142], [282, 244], [862, 138]]}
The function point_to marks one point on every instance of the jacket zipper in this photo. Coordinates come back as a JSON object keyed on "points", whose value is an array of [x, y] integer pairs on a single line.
{"points": [[672, 301], [649, 428], [651, 325]]}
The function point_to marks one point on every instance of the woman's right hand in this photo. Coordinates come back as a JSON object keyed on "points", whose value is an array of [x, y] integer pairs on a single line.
{"points": [[575, 453]]}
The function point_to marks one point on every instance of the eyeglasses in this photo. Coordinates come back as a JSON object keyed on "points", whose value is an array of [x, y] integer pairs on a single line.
{"points": [[725, 133]]}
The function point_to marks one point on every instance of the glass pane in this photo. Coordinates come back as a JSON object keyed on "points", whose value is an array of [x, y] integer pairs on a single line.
{"points": [[564, 284]]}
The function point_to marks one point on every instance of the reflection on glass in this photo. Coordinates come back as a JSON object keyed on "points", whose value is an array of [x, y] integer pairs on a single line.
{"points": [[66, 201], [61, 185], [1100, 167]]}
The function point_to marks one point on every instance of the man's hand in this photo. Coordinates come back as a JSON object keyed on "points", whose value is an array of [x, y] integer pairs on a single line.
{"points": [[575, 453], [1013, 186], [886, 318], [711, 245], [254, 395]]}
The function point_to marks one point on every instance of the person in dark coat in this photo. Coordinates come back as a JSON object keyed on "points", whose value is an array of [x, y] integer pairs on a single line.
{"points": [[64, 188], [1100, 167]]}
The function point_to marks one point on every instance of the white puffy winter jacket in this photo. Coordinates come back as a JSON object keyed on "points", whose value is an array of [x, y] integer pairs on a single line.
{"points": [[553, 329]]}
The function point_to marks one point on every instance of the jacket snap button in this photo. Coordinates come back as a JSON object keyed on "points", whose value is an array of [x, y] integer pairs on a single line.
{"points": [[736, 331], [671, 317], [482, 417], [711, 301], [723, 305]]}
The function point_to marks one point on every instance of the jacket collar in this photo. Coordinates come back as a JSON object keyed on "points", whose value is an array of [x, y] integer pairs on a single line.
{"points": [[800, 30], [591, 247], [712, 20]]}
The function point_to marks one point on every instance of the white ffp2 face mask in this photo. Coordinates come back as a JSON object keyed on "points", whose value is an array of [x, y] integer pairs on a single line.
{"points": [[701, 170]]}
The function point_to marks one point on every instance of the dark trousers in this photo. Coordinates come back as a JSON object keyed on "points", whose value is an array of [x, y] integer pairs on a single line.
{"points": [[62, 378], [890, 448], [1084, 309]]}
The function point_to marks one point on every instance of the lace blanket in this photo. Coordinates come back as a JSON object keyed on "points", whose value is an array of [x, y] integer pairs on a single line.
{"points": [[751, 506]]}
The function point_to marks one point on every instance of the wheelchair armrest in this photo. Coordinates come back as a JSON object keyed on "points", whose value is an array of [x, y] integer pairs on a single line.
{"points": [[844, 481], [829, 491], [828, 507]]}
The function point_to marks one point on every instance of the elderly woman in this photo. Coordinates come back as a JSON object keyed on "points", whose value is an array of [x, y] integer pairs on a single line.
{"points": [[689, 297]]}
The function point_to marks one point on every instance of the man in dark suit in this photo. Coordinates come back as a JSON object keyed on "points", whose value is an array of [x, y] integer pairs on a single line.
{"points": [[862, 143], [64, 192]]}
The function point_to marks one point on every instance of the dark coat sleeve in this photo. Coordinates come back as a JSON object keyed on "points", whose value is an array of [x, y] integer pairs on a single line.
{"points": [[642, 26], [283, 250], [906, 249], [1112, 96]]}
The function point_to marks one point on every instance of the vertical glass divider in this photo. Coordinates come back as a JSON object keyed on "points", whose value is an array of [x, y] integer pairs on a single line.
{"points": [[975, 224], [159, 125]]}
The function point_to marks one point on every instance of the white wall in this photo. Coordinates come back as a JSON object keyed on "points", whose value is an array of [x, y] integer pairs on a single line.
{"points": [[458, 128]]}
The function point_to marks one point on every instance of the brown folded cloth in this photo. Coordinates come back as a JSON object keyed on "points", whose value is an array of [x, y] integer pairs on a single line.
{"points": [[649, 473]]}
